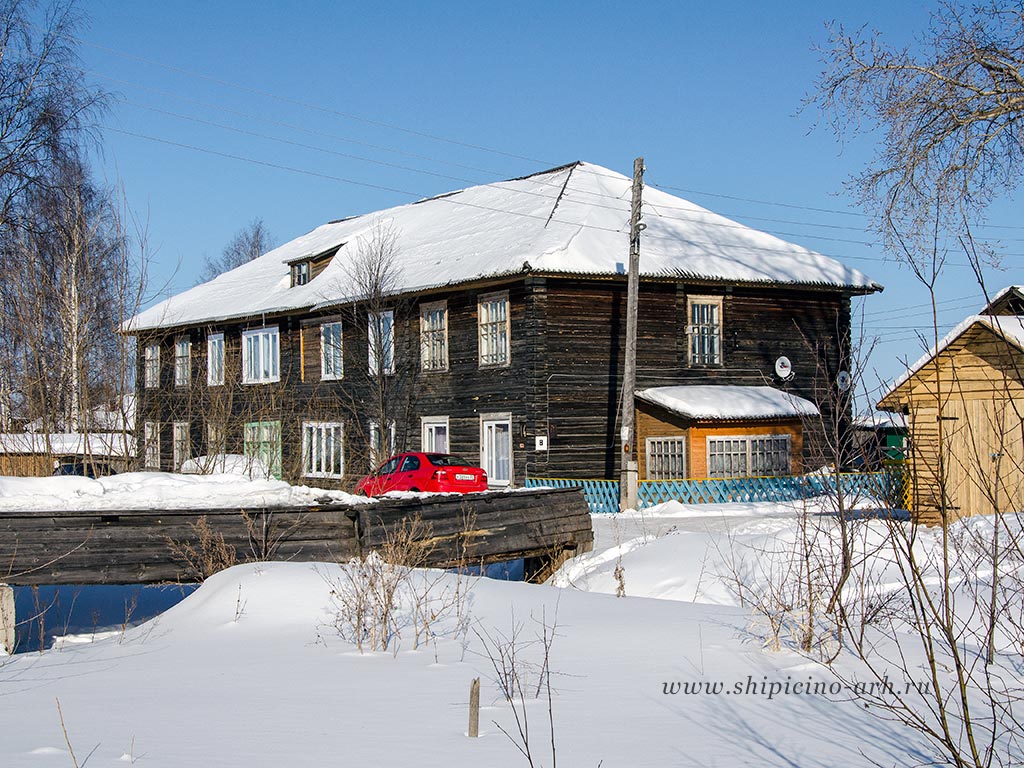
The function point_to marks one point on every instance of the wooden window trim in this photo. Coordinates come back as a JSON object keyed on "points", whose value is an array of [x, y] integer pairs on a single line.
{"points": [[212, 340], [313, 453], [433, 421], [690, 335], [339, 373], [257, 333], [424, 345], [490, 298]]}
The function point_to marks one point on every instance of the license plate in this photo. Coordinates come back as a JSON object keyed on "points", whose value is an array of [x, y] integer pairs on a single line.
{"points": [[465, 477]]}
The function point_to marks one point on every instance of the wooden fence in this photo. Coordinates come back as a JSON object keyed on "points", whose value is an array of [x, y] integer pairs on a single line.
{"points": [[147, 546], [602, 496]]}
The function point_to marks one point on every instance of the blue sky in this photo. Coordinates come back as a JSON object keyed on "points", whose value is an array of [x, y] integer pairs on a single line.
{"points": [[303, 113]]}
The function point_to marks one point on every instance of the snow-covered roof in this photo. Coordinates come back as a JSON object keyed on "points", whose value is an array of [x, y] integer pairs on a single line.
{"points": [[880, 420], [728, 402], [107, 444], [569, 220], [1010, 327], [1005, 297]]}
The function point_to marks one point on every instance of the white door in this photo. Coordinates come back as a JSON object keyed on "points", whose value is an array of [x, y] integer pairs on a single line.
{"points": [[496, 449]]}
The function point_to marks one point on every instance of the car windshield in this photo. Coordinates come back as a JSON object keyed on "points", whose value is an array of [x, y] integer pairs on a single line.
{"points": [[447, 460]]}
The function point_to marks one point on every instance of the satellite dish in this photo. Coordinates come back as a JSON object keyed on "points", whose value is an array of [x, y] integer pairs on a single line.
{"points": [[844, 380], [784, 368]]}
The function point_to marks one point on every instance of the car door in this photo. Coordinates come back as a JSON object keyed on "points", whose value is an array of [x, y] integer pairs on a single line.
{"points": [[408, 474], [384, 479]]}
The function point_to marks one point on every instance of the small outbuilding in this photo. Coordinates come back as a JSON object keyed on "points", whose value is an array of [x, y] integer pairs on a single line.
{"points": [[703, 431], [38, 454], [964, 406]]}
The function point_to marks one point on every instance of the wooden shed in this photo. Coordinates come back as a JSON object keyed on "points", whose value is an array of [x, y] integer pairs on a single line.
{"points": [[703, 431], [964, 405], [36, 454]]}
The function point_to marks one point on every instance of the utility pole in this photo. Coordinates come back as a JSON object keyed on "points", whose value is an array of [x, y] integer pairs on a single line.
{"points": [[629, 478]]}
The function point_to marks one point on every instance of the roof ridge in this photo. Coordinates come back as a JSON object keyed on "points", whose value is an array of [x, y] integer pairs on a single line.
{"points": [[572, 167]]}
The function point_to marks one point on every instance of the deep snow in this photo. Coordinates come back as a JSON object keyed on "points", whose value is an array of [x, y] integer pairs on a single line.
{"points": [[252, 670]]}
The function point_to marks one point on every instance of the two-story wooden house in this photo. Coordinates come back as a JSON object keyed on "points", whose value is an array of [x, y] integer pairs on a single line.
{"points": [[498, 335]]}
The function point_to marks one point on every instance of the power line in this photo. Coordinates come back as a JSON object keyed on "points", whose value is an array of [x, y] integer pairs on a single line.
{"points": [[290, 126], [469, 145], [794, 250], [308, 105]]}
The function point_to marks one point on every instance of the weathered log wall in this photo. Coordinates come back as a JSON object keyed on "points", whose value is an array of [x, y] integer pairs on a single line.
{"points": [[145, 546]]}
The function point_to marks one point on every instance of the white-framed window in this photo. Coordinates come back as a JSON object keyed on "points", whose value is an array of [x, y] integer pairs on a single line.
{"points": [[215, 359], [300, 273], [261, 440], [182, 361], [261, 355], [705, 330], [322, 449], [181, 443], [152, 365], [381, 445], [381, 336], [434, 336], [331, 361], [496, 448], [434, 434], [666, 457], [749, 456], [151, 445], [493, 327], [216, 438]]}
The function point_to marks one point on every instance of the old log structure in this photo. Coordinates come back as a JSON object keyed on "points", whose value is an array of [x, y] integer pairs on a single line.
{"points": [[149, 546]]}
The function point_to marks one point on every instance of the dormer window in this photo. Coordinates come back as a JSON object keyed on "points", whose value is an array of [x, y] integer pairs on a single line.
{"points": [[300, 273], [309, 266]]}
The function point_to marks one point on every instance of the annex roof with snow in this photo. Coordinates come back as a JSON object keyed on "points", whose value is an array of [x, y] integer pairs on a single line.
{"points": [[728, 402], [572, 220]]}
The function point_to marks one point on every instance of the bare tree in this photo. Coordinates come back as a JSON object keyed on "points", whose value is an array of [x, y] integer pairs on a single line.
{"points": [[380, 399], [46, 110], [950, 110], [249, 243], [45, 104]]}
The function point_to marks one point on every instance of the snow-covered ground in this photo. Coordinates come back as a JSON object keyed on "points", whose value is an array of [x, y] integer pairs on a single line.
{"points": [[257, 669]]}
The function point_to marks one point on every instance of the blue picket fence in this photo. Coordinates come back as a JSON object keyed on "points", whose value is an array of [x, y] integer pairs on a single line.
{"points": [[602, 496]]}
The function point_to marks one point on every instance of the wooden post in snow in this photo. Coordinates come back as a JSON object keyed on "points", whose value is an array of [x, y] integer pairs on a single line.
{"points": [[474, 708], [7, 623], [628, 479]]}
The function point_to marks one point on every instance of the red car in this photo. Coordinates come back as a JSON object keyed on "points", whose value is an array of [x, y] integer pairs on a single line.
{"points": [[428, 472]]}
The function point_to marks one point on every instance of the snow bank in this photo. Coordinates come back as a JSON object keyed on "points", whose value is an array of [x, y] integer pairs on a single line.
{"points": [[158, 490]]}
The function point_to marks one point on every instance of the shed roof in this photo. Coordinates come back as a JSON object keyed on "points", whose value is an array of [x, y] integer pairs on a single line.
{"points": [[572, 220], [1009, 327], [105, 444], [727, 401]]}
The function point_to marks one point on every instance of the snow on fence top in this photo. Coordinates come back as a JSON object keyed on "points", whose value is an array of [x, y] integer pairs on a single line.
{"points": [[728, 402], [569, 220]]}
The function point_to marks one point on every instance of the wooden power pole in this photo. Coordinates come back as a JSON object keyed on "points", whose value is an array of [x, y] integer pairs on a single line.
{"points": [[629, 478]]}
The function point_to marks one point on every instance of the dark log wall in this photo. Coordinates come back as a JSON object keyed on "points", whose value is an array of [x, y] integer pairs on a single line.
{"points": [[581, 367], [146, 546], [563, 380]]}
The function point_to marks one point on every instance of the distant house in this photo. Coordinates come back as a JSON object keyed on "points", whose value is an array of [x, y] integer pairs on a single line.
{"points": [[964, 403], [505, 337], [881, 439], [39, 454]]}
